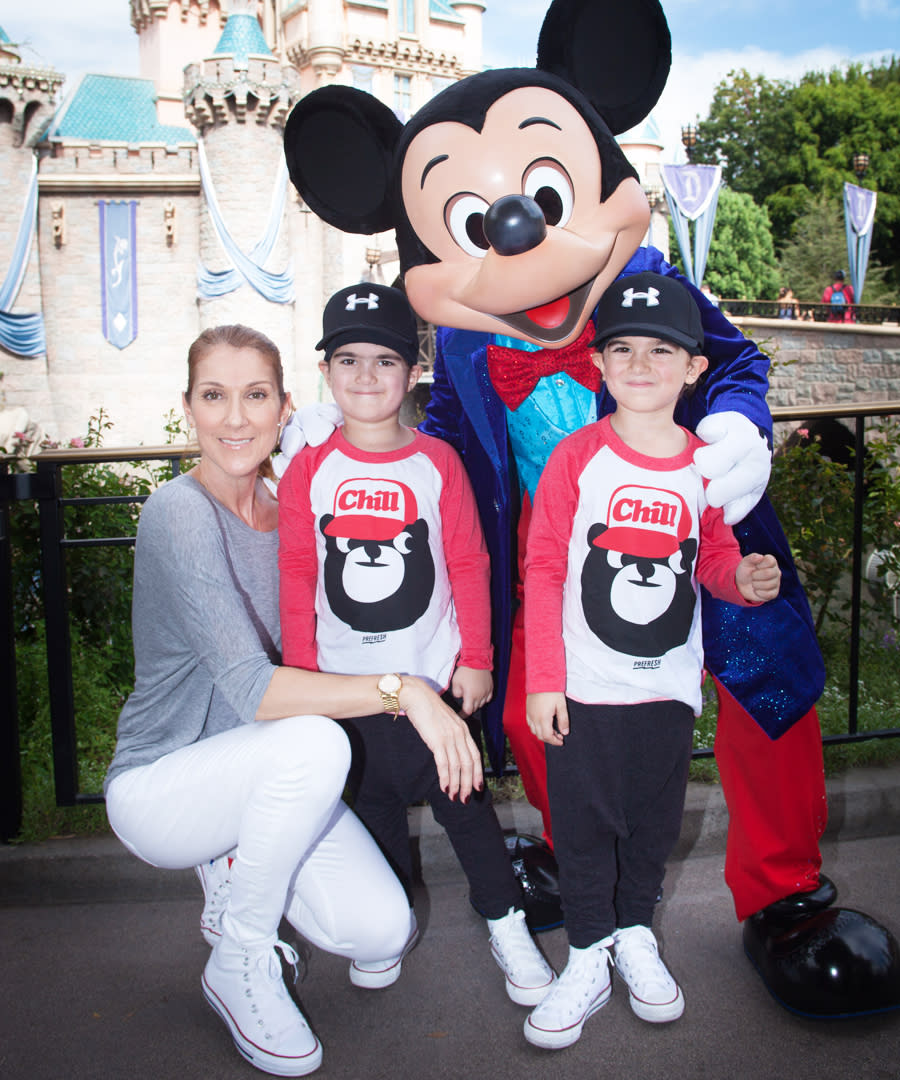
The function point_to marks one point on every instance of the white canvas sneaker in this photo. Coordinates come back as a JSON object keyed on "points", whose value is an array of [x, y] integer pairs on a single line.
{"points": [[245, 987], [653, 993], [582, 989], [377, 974], [528, 975], [215, 877]]}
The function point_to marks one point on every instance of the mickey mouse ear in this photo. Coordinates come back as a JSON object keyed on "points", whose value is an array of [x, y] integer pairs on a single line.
{"points": [[339, 147], [616, 52]]}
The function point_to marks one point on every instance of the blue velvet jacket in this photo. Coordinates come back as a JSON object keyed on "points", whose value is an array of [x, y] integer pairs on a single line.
{"points": [[766, 656]]}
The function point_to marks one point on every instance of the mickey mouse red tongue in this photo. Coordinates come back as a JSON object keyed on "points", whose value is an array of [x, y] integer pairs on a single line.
{"points": [[550, 315]]}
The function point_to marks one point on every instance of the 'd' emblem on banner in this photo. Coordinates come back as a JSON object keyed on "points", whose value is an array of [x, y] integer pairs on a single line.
{"points": [[693, 186], [118, 271]]}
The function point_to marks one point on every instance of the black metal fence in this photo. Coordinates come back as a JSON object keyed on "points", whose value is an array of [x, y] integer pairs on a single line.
{"points": [[867, 314], [44, 486]]}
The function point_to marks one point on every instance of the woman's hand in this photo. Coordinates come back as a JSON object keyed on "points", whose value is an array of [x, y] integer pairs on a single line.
{"points": [[456, 755]]}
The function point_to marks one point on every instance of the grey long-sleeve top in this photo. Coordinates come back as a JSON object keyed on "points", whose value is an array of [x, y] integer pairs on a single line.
{"points": [[204, 620]]}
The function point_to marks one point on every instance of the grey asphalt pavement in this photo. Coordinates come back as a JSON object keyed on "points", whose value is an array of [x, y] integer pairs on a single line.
{"points": [[102, 956]]}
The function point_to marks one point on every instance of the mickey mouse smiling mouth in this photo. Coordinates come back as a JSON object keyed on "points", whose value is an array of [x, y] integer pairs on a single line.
{"points": [[554, 321]]}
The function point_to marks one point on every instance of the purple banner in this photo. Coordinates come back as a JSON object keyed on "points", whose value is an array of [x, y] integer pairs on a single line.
{"points": [[118, 271], [859, 203], [693, 187]]}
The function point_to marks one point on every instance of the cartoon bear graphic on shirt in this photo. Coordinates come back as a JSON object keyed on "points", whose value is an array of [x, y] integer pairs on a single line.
{"points": [[637, 589], [379, 570]]}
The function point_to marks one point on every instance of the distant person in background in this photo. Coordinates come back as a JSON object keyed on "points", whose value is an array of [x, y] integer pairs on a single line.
{"points": [[788, 308], [840, 296], [709, 294]]}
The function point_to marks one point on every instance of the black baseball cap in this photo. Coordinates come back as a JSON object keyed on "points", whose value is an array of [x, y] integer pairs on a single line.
{"points": [[376, 314], [649, 305]]}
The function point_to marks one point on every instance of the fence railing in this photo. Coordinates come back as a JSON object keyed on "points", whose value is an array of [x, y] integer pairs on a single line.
{"points": [[44, 487], [868, 314]]}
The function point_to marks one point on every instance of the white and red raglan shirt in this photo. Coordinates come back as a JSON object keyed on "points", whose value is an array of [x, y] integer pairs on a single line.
{"points": [[382, 561], [612, 609]]}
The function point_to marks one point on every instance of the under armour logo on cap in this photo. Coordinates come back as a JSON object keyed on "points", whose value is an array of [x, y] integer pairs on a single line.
{"points": [[649, 305], [354, 301], [651, 296], [370, 313]]}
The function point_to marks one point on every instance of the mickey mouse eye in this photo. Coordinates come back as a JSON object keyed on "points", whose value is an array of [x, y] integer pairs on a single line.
{"points": [[548, 183], [343, 544], [403, 543], [464, 217], [676, 562], [614, 559]]}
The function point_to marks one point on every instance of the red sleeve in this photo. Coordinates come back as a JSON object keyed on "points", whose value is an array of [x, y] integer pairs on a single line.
{"points": [[719, 557], [465, 552], [297, 563], [546, 565]]}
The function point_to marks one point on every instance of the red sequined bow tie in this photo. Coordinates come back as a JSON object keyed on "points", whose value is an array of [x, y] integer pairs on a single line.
{"points": [[515, 372]]}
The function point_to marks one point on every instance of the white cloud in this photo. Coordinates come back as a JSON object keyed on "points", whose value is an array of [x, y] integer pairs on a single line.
{"points": [[92, 36], [878, 9]]}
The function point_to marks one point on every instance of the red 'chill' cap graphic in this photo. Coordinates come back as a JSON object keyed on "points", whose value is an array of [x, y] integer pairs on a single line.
{"points": [[369, 508], [645, 521]]}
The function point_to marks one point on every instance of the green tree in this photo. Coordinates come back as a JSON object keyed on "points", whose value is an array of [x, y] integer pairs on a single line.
{"points": [[818, 248], [780, 143], [741, 263]]}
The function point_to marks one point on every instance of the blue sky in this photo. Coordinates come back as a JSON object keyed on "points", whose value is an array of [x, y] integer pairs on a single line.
{"points": [[777, 38]]}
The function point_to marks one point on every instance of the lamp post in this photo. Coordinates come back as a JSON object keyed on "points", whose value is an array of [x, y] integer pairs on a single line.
{"points": [[860, 166], [689, 140]]}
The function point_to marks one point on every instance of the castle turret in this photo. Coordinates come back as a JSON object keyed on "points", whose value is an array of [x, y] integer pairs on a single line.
{"points": [[172, 33], [238, 99]]}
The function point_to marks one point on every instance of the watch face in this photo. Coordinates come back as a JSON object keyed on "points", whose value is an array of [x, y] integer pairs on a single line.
{"points": [[390, 684]]}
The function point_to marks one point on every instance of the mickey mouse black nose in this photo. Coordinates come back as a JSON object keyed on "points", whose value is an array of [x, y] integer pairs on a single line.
{"points": [[514, 224]]}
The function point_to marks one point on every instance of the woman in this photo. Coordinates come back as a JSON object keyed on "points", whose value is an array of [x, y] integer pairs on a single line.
{"points": [[217, 752]]}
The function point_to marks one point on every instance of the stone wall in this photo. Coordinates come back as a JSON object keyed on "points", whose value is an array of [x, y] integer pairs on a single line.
{"points": [[827, 364]]}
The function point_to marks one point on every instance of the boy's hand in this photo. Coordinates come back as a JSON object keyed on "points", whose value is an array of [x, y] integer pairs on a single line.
{"points": [[473, 686], [758, 578], [548, 717]]}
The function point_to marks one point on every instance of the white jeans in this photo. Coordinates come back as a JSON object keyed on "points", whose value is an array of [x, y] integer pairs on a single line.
{"points": [[270, 792]]}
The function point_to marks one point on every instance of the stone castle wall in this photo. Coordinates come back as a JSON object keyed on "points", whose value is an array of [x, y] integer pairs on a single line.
{"points": [[818, 364]]}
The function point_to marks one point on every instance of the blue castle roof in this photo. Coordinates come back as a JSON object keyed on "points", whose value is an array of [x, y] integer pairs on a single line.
{"points": [[647, 132], [114, 108], [241, 37], [441, 9]]}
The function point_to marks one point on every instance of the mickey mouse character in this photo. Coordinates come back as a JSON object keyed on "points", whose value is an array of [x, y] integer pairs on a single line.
{"points": [[514, 209]]}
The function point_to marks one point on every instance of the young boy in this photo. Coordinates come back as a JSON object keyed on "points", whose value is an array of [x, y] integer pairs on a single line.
{"points": [[620, 538], [384, 569]]}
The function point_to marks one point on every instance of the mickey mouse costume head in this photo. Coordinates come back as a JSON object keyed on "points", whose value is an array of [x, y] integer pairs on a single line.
{"points": [[514, 210], [503, 182]]}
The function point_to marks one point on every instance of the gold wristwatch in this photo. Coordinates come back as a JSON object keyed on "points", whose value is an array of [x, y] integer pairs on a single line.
{"points": [[389, 686]]}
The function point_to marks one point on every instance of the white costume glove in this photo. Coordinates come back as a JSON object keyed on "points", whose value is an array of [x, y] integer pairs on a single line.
{"points": [[737, 463], [310, 424]]}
